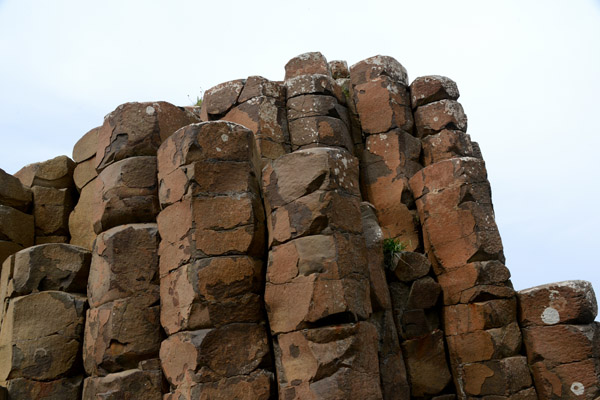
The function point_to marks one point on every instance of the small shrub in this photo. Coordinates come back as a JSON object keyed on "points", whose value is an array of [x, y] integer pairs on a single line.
{"points": [[391, 247]]}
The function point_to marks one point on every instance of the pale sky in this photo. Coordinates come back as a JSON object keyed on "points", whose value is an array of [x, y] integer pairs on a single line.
{"points": [[528, 73]]}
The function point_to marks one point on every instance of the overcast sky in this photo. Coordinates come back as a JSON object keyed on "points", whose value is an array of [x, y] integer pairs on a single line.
{"points": [[528, 73]]}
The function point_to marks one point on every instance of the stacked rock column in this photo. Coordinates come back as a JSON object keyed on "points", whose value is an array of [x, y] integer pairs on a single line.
{"points": [[461, 238], [16, 222], [212, 252], [123, 332], [42, 322], [561, 339]]}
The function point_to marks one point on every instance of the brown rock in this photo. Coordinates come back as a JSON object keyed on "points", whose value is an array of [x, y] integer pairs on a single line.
{"points": [[219, 99], [496, 377], [409, 266], [307, 64], [124, 263], [256, 386], [81, 226], [439, 115], [319, 131], [7, 249], [347, 352], [339, 69], [568, 302], [424, 293], [40, 335], [416, 323], [445, 145], [16, 226], [383, 104], [212, 292], [87, 146], [315, 277], [56, 173], [257, 86], [84, 173], [128, 191], [374, 67], [121, 333], [310, 84], [485, 345], [210, 355], [560, 344], [427, 89], [426, 358], [311, 105], [132, 384], [51, 239], [138, 129], [13, 193], [51, 210], [61, 389], [577, 380], [466, 318]]}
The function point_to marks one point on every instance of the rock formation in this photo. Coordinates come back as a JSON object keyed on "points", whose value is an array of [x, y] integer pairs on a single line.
{"points": [[328, 236]]}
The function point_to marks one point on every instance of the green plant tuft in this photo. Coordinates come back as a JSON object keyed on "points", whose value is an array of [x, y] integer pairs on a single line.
{"points": [[391, 247]]}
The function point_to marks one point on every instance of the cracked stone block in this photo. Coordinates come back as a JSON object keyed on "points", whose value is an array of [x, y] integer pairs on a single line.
{"points": [[430, 88], [130, 384], [445, 145], [60, 389], [16, 226], [56, 173], [51, 210], [13, 193], [375, 67], [81, 226], [439, 115], [307, 64], [220, 98]]}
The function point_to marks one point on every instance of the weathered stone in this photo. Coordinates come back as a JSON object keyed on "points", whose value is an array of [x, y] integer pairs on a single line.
{"points": [[128, 190], [40, 335], [416, 323], [84, 173], [383, 104], [496, 377], [323, 168], [7, 249], [426, 358], [212, 292], [339, 69], [307, 64], [577, 380], [427, 89], [375, 67], [319, 131], [347, 352], [220, 98], [56, 173], [445, 145], [13, 193], [51, 239], [121, 333], [124, 264], [87, 146], [258, 385], [409, 266], [424, 293], [568, 302], [61, 389], [210, 355], [51, 210], [561, 344], [257, 86], [483, 345], [138, 129], [315, 277], [81, 226], [311, 105], [132, 384], [16, 226], [310, 84], [439, 115], [466, 318]]}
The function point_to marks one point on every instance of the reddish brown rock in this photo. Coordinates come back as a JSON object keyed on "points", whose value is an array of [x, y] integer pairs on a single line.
{"points": [[427, 89], [424, 293], [375, 67], [494, 378], [310, 84], [210, 355], [13, 193], [383, 104], [60, 389], [81, 226], [219, 99], [16, 226], [416, 323], [426, 358], [41, 335], [568, 302], [466, 318], [439, 115], [128, 193], [124, 263], [212, 292], [138, 129], [483, 345], [445, 145], [51, 210], [347, 352], [307, 64], [311, 105], [87, 146], [319, 131], [256, 386], [409, 266], [84, 173], [339, 69], [121, 333], [56, 173], [257, 86], [560, 344], [131, 384], [577, 380], [315, 277]]}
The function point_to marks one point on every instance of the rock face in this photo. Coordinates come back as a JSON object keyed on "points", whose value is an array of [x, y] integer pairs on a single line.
{"points": [[328, 236]]}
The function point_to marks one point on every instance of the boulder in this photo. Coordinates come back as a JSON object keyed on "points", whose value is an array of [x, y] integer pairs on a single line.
{"points": [[445, 145], [219, 99], [13, 193], [16, 226], [339, 69], [319, 131], [505, 377], [439, 115], [257, 86], [378, 66], [51, 210], [81, 225], [319, 84], [60, 389], [56, 173], [131, 384], [307, 64], [87, 146], [427, 89]]}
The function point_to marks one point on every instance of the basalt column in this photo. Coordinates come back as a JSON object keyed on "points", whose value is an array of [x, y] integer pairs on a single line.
{"points": [[461, 238], [16, 221], [212, 251]]}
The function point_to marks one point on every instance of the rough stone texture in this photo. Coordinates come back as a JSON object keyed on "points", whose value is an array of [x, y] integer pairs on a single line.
{"points": [[56, 173], [375, 67], [219, 99], [577, 380], [8, 248], [128, 192], [409, 266], [504, 377], [87, 146], [40, 335], [445, 145], [307, 64], [51, 210], [13, 193], [439, 115], [310, 84], [124, 264], [81, 225], [138, 129], [133, 384], [60, 389], [319, 131], [258, 86], [84, 173], [16, 226], [255, 386], [427, 89], [472, 317], [339, 69], [569, 302], [336, 362]]}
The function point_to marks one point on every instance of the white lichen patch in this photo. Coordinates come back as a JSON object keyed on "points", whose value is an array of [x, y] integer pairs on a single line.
{"points": [[219, 149], [550, 316], [577, 388], [150, 110], [224, 137]]}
